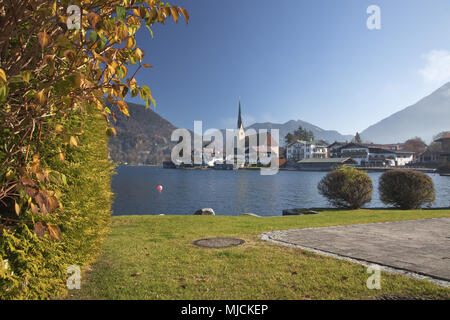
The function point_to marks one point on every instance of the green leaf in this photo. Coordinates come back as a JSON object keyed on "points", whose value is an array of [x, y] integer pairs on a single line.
{"points": [[93, 36], [3, 93], [57, 178], [26, 75], [148, 95], [151, 32], [120, 73], [16, 79], [121, 12]]}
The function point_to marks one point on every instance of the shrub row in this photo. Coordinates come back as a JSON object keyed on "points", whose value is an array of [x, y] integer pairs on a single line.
{"points": [[351, 188]]}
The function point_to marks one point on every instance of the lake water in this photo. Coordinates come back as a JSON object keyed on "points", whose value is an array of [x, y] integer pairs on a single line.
{"points": [[228, 192]]}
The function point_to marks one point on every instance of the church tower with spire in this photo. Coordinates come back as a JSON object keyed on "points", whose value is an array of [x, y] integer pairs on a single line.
{"points": [[240, 126]]}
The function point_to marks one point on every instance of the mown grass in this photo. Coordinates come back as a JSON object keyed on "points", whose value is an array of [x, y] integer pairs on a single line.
{"points": [[151, 257]]}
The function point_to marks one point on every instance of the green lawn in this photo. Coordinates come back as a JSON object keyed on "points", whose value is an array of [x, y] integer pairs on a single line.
{"points": [[151, 257]]}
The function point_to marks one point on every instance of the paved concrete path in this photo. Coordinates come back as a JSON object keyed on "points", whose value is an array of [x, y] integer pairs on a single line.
{"points": [[419, 246]]}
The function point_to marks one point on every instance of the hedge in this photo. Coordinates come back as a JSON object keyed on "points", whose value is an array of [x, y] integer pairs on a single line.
{"points": [[33, 267]]}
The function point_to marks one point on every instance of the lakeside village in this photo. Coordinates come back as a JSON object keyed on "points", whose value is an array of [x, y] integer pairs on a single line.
{"points": [[316, 155]]}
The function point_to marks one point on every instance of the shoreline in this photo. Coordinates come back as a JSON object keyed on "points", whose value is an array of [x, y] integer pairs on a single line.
{"points": [[367, 169], [281, 215]]}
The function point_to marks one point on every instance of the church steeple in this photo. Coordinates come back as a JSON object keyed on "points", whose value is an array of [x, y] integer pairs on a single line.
{"points": [[239, 122]]}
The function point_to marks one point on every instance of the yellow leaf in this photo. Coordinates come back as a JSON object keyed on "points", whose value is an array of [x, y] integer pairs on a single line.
{"points": [[16, 208], [44, 39], [36, 158], [122, 31], [185, 14], [54, 232], [111, 131], [98, 103], [2, 75], [59, 128], [130, 42], [73, 141], [34, 208], [175, 13], [123, 107], [9, 175], [167, 11], [139, 54], [41, 97], [26, 75]]}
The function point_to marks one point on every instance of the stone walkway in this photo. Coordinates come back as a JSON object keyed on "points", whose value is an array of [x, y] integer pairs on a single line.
{"points": [[418, 246]]}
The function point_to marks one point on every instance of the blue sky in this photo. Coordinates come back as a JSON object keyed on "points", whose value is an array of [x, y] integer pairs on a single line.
{"points": [[296, 59]]}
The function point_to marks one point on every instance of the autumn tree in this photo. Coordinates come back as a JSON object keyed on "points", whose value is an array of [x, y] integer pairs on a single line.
{"points": [[416, 145], [441, 135], [435, 147], [54, 61]]}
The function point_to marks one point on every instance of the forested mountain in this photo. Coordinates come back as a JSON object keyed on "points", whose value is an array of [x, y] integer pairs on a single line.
{"points": [[142, 138]]}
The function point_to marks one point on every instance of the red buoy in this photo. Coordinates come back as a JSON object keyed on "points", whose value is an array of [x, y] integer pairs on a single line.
{"points": [[160, 188]]}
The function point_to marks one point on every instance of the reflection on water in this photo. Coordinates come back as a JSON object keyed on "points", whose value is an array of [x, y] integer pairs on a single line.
{"points": [[228, 192]]}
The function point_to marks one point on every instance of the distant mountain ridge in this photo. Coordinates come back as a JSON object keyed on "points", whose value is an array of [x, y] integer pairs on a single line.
{"points": [[144, 137], [424, 119], [292, 125]]}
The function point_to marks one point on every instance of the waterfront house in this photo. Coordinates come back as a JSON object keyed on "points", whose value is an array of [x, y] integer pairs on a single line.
{"points": [[372, 155], [390, 146], [429, 158], [445, 146], [432, 159], [385, 157], [356, 151], [334, 149], [299, 150]]}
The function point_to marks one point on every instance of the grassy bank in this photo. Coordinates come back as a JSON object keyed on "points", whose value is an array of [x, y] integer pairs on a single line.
{"points": [[151, 257]]}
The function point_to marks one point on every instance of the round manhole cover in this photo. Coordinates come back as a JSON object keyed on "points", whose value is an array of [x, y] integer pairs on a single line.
{"points": [[218, 242]]}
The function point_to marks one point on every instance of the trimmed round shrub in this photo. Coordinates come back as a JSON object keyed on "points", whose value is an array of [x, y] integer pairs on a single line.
{"points": [[406, 189], [346, 188]]}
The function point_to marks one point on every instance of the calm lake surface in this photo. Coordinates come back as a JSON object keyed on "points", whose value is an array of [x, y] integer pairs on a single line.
{"points": [[228, 192]]}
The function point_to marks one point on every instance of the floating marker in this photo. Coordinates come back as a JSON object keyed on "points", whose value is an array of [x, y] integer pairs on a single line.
{"points": [[160, 188]]}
